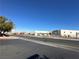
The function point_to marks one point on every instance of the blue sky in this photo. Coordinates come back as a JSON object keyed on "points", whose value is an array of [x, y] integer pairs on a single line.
{"points": [[30, 15]]}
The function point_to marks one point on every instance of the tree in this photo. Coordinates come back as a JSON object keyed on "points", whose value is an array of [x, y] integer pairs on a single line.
{"points": [[5, 25]]}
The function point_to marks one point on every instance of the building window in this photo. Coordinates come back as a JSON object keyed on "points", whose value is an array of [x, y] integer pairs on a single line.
{"points": [[70, 32], [64, 32], [69, 36]]}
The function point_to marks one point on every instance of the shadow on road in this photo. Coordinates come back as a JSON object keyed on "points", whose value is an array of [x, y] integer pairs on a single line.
{"points": [[37, 56]]}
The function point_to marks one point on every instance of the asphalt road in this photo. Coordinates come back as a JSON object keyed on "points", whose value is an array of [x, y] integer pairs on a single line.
{"points": [[20, 49], [58, 41]]}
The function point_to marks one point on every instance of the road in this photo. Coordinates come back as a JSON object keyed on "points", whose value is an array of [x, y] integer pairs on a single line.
{"points": [[58, 41], [21, 49]]}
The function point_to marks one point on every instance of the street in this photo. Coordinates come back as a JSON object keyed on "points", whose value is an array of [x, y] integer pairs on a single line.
{"points": [[56, 40], [21, 49]]}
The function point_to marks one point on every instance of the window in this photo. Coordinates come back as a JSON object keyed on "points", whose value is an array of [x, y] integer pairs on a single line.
{"points": [[70, 32]]}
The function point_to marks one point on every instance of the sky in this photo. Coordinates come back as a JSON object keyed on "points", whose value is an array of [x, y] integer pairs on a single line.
{"points": [[31, 15]]}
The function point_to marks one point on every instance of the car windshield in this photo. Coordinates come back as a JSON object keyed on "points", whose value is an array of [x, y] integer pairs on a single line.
{"points": [[39, 29]]}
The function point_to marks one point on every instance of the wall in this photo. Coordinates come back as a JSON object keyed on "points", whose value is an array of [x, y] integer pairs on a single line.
{"points": [[41, 33], [69, 33]]}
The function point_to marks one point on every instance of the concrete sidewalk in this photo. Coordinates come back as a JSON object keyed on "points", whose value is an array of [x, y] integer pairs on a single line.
{"points": [[8, 38]]}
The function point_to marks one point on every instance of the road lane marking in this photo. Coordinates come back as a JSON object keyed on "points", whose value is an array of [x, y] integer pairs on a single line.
{"points": [[71, 48]]}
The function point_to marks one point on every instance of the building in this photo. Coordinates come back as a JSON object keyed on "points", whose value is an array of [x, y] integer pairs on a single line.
{"points": [[66, 33], [42, 33]]}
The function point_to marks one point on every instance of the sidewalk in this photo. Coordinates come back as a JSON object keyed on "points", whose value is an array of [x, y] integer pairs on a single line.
{"points": [[8, 38]]}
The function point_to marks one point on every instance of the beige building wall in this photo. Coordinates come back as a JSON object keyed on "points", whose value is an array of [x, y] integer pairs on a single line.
{"points": [[41, 33], [69, 33]]}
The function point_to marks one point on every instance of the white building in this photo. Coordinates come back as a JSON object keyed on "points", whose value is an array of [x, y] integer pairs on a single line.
{"points": [[42, 33], [67, 33]]}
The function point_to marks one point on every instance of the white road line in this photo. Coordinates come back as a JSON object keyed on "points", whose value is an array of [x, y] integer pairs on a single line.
{"points": [[71, 48]]}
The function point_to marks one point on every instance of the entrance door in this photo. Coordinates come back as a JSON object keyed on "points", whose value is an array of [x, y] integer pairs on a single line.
{"points": [[77, 35]]}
